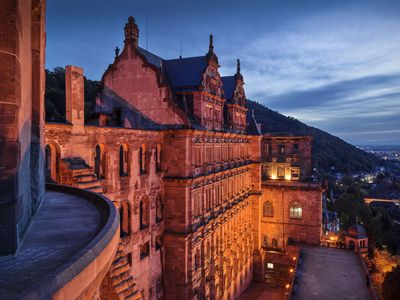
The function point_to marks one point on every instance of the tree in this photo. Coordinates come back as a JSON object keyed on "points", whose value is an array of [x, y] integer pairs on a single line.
{"points": [[391, 284]]}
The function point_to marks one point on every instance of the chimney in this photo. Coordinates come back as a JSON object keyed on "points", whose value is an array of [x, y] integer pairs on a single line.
{"points": [[74, 90]]}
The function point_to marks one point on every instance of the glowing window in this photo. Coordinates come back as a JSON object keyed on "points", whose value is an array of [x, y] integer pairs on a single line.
{"points": [[296, 211]]}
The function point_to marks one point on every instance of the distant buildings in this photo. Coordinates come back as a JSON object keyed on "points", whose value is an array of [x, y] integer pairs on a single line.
{"points": [[206, 203]]}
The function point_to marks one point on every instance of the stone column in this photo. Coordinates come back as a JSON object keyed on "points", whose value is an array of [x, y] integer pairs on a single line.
{"points": [[21, 115], [75, 97]]}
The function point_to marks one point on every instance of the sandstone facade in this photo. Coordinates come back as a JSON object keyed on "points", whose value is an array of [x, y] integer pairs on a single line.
{"points": [[171, 145]]}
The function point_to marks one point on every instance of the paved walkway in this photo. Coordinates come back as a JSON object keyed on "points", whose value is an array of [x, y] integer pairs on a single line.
{"points": [[259, 291], [330, 274], [63, 225]]}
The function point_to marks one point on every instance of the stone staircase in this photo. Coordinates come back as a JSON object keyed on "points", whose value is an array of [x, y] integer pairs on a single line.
{"points": [[123, 283], [77, 173]]}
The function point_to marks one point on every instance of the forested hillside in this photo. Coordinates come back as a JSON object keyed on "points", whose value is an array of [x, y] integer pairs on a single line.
{"points": [[328, 150]]}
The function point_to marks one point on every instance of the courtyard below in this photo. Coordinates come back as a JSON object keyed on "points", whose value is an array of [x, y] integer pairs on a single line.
{"points": [[330, 274]]}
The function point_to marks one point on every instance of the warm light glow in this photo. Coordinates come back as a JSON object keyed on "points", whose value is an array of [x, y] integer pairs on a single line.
{"points": [[288, 177], [333, 238], [294, 257], [270, 265], [273, 176], [291, 270], [287, 285]]}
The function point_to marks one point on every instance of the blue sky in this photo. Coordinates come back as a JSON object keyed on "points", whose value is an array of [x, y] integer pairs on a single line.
{"points": [[334, 65]]}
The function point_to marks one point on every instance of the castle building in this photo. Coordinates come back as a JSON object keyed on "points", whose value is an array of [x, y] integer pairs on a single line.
{"points": [[203, 197]]}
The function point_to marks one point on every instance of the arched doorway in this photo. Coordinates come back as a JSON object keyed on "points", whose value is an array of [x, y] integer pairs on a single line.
{"points": [[99, 162], [352, 245], [52, 163]]}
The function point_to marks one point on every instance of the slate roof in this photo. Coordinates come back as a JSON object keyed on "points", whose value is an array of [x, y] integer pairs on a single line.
{"points": [[357, 231], [252, 127], [228, 83], [151, 58], [185, 73]]}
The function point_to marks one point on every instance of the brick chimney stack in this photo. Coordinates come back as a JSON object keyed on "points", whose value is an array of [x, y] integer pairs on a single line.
{"points": [[75, 96]]}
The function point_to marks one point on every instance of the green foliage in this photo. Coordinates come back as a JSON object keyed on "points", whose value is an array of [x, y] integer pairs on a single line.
{"points": [[55, 95], [391, 285]]}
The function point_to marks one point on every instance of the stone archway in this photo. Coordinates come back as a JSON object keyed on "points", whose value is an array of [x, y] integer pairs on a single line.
{"points": [[352, 245]]}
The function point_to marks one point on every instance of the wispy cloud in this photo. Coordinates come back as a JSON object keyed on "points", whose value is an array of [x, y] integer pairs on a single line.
{"points": [[332, 68]]}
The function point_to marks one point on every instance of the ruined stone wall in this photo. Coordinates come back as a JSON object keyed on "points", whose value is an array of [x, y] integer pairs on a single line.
{"points": [[127, 191], [21, 110], [280, 224]]}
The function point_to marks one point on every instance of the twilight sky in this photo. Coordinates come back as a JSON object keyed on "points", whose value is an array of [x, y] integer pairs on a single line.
{"points": [[334, 65]]}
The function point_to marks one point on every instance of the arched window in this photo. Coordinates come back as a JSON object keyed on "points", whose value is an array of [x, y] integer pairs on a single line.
{"points": [[123, 160], [142, 159], [268, 209], [52, 163], [197, 259], [125, 219], [159, 209], [144, 212], [296, 211], [99, 162], [158, 158]]}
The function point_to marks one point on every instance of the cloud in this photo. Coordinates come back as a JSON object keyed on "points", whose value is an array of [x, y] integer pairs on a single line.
{"points": [[335, 70]]}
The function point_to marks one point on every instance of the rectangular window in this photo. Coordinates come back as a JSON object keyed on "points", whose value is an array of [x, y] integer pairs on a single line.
{"points": [[197, 203], [281, 171], [209, 155], [295, 173], [295, 148], [197, 156], [217, 154], [270, 265], [224, 153]]}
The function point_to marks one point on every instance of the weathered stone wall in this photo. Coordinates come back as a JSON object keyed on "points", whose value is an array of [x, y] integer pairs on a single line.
{"points": [[279, 225], [21, 110], [125, 191], [296, 153], [140, 84]]}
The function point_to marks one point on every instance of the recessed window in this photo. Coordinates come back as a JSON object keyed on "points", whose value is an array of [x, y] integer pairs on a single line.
{"points": [[144, 212], [270, 265], [295, 148], [268, 209], [296, 211], [123, 161]]}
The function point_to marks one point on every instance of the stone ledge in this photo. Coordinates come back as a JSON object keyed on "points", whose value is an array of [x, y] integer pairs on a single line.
{"points": [[67, 267]]}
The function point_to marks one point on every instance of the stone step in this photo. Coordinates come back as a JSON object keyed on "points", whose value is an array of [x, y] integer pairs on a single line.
{"points": [[88, 184], [85, 177], [119, 270], [120, 278], [122, 286], [95, 189]]}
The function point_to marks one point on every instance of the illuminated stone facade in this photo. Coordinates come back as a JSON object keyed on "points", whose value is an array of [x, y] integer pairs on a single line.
{"points": [[169, 143]]}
